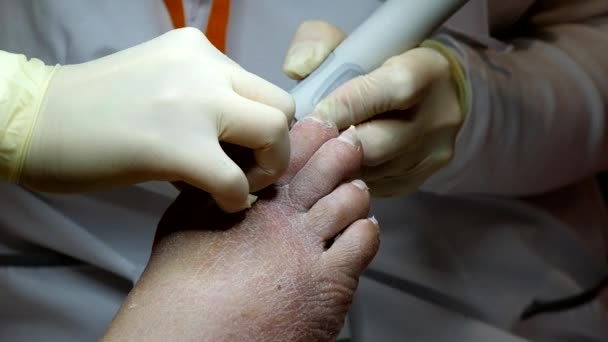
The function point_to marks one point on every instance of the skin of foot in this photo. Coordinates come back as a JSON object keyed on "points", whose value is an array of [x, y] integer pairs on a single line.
{"points": [[285, 270]]}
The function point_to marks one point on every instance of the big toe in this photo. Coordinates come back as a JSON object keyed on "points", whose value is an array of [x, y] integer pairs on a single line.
{"points": [[336, 161], [306, 137]]}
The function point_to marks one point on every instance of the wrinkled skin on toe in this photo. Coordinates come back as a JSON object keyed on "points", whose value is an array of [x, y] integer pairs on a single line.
{"points": [[285, 270]]}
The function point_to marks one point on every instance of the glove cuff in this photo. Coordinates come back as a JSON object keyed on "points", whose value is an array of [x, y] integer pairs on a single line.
{"points": [[458, 75], [23, 84]]}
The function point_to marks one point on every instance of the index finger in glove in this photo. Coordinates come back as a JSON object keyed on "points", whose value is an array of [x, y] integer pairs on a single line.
{"points": [[255, 88], [383, 139], [262, 128]]}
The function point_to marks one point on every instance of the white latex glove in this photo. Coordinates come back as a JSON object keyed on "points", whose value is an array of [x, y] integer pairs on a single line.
{"points": [[407, 112], [157, 111]]}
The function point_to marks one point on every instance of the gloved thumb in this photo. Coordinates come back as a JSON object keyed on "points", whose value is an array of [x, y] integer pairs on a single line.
{"points": [[401, 82], [312, 43]]}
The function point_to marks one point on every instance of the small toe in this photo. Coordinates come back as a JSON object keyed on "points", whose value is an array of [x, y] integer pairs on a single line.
{"points": [[336, 161], [336, 211], [355, 248]]}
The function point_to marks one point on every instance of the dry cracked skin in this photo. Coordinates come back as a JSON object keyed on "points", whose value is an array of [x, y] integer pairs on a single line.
{"points": [[285, 270]]}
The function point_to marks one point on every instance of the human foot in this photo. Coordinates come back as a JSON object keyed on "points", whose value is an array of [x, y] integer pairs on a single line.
{"points": [[274, 273]]}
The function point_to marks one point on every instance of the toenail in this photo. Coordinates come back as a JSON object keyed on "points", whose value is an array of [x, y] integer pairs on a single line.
{"points": [[374, 221], [326, 123], [350, 136], [360, 184], [251, 199]]}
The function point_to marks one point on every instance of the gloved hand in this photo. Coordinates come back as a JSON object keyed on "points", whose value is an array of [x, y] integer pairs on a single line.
{"points": [[157, 111], [407, 113]]}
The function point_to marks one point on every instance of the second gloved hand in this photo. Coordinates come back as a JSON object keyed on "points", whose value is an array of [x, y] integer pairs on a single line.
{"points": [[158, 111], [407, 113]]}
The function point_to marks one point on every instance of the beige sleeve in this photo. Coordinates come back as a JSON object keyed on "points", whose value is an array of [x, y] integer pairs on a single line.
{"points": [[23, 84], [538, 112]]}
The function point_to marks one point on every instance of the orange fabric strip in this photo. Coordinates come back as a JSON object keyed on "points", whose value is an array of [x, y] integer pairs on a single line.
{"points": [[176, 12], [217, 26]]}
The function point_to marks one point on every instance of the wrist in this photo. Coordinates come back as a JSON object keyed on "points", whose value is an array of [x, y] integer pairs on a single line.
{"points": [[457, 73], [23, 85]]}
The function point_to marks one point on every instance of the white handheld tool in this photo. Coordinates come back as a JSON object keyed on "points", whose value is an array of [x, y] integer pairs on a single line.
{"points": [[395, 27]]}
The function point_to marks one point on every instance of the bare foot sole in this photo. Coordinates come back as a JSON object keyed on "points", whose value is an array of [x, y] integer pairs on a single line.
{"points": [[286, 270]]}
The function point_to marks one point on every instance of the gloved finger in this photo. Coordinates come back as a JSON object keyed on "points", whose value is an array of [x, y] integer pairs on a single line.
{"points": [[408, 164], [396, 167], [312, 43], [438, 146], [213, 171], [384, 139], [263, 129], [397, 85], [258, 89], [409, 181]]}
